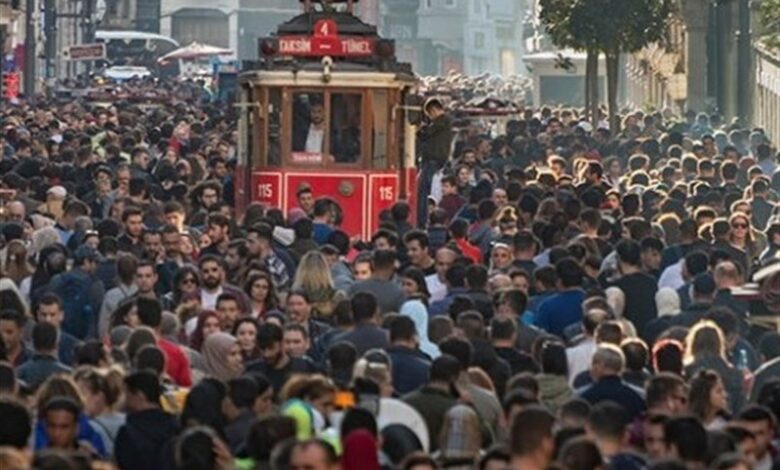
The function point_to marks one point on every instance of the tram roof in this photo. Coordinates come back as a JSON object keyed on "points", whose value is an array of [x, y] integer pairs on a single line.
{"points": [[309, 37]]}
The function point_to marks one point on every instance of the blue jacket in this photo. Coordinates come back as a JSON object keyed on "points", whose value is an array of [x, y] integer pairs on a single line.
{"points": [[560, 310], [38, 368], [442, 307], [86, 433], [411, 369], [612, 388], [67, 348]]}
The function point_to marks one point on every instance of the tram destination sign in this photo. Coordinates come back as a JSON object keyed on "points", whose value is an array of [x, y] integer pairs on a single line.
{"points": [[326, 41], [321, 46]]}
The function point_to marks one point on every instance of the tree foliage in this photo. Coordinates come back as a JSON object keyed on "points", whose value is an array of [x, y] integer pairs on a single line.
{"points": [[770, 20], [610, 27], [606, 25]]}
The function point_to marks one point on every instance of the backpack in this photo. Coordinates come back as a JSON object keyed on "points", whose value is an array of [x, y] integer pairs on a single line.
{"points": [[79, 315]]}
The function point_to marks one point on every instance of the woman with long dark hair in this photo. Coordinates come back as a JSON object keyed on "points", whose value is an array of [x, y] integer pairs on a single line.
{"points": [[708, 399], [262, 294]]}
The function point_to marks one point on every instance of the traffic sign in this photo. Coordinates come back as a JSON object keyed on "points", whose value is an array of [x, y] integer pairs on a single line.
{"points": [[95, 51]]}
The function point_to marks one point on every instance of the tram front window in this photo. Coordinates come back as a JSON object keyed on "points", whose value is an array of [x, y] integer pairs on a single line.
{"points": [[332, 131], [309, 126], [345, 127]]}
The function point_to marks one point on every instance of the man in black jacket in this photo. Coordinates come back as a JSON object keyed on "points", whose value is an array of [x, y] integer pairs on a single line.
{"points": [[435, 145], [142, 441]]}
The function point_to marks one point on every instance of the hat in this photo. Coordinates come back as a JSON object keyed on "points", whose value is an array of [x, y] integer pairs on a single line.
{"points": [[84, 253], [57, 191], [284, 236]]}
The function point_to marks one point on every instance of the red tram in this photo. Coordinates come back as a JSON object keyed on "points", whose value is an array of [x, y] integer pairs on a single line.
{"points": [[329, 107]]}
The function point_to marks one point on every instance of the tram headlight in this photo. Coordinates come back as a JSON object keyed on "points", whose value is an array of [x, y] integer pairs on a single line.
{"points": [[269, 46], [385, 48], [327, 63]]}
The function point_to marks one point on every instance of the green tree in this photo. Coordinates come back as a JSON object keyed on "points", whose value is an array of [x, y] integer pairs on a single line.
{"points": [[770, 20], [608, 27], [573, 24]]}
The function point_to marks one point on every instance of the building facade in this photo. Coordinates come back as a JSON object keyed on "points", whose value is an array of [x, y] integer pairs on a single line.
{"points": [[706, 63], [473, 36]]}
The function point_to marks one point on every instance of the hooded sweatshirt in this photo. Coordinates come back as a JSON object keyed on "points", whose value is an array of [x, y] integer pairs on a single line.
{"points": [[554, 390], [142, 441], [416, 310]]}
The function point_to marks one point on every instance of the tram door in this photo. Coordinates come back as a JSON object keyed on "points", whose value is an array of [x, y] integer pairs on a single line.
{"points": [[342, 143]]}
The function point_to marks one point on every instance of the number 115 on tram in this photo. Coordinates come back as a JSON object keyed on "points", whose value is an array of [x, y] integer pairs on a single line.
{"points": [[328, 107]]}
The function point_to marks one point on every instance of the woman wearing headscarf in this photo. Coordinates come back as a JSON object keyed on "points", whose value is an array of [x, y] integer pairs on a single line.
{"points": [[360, 451], [222, 356], [416, 310], [667, 303]]}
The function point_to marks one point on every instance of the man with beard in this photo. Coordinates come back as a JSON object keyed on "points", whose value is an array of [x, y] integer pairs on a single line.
{"points": [[259, 241], [131, 240], [299, 312], [212, 270], [311, 138], [275, 363], [218, 227], [206, 197], [173, 258]]}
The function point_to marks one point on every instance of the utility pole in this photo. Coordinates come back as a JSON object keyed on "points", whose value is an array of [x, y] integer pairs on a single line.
{"points": [[744, 53], [50, 51], [2, 57], [29, 48], [89, 29]]}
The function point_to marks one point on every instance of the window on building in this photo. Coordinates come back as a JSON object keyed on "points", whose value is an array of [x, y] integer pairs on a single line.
{"points": [[477, 7], [479, 40], [449, 3], [505, 34], [428, 4]]}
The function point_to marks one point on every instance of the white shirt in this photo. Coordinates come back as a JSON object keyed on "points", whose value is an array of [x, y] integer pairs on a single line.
{"points": [[209, 301], [314, 140], [579, 358], [436, 288], [672, 276]]}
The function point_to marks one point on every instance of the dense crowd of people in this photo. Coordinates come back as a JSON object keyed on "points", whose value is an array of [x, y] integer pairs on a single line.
{"points": [[566, 298]]}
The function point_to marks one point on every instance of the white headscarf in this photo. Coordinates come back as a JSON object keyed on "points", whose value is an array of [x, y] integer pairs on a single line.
{"points": [[416, 310], [667, 301]]}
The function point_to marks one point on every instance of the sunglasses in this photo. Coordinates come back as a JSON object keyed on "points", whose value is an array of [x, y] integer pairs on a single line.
{"points": [[739, 225]]}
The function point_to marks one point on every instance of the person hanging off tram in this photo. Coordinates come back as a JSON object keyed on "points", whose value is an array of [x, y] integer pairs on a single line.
{"points": [[435, 141]]}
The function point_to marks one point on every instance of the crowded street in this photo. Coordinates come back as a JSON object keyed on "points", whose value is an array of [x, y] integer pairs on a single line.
{"points": [[325, 259]]}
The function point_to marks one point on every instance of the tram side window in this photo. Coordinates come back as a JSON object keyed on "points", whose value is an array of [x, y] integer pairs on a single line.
{"points": [[345, 123], [275, 126], [309, 126], [380, 129]]}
